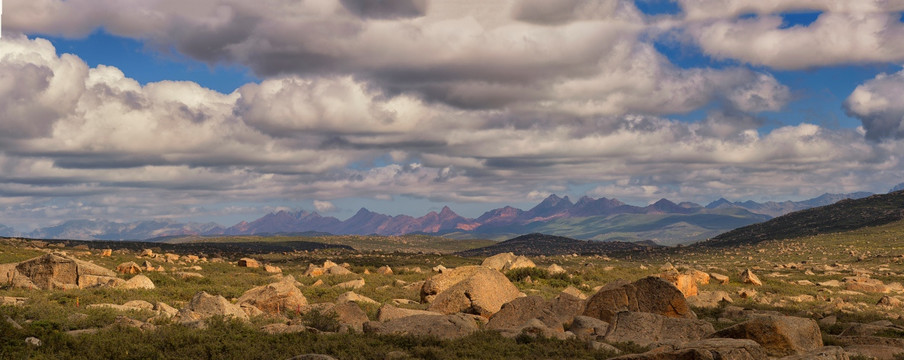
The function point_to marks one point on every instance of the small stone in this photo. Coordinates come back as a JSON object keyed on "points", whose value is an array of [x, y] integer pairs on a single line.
{"points": [[33, 341]]}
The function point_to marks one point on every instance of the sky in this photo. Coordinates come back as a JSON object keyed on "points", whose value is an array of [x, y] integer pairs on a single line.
{"points": [[224, 110]]}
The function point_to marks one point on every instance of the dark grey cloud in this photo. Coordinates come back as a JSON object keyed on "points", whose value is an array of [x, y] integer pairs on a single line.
{"points": [[546, 12], [386, 9]]}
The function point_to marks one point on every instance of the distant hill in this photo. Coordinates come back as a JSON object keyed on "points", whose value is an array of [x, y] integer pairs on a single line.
{"points": [[842, 216], [6, 231], [774, 209], [548, 245], [898, 187]]}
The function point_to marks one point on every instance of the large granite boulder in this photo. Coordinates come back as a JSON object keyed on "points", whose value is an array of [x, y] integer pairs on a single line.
{"points": [[275, 298], [651, 295], [470, 289], [53, 271]]}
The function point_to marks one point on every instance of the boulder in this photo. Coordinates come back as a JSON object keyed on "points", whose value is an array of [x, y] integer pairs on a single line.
{"points": [[384, 270], [520, 262], [470, 289], [700, 277], [879, 352], [779, 335], [748, 277], [536, 328], [337, 270], [685, 283], [328, 264], [573, 291], [314, 271], [722, 279], [350, 314], [53, 271], [351, 284], [204, 305], [388, 312], [170, 258], [708, 349], [272, 269], [137, 282], [865, 284], [351, 296], [275, 298], [248, 263], [651, 294], [440, 326], [106, 252], [554, 313], [147, 253], [709, 299], [499, 261], [588, 328], [645, 328], [823, 353], [555, 269]]}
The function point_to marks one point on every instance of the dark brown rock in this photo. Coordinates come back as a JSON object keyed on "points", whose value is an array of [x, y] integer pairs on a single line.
{"points": [[651, 294]]}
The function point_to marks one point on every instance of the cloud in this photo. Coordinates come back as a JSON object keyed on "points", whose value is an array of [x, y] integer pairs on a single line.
{"points": [[324, 206], [877, 103], [845, 32]]}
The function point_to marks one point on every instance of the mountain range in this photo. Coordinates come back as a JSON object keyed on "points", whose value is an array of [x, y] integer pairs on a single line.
{"points": [[845, 215], [663, 222]]}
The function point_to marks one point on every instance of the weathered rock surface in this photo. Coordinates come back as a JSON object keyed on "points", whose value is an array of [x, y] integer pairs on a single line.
{"points": [[499, 261], [748, 277], [645, 328], [553, 313], [204, 305], [685, 283], [53, 271], [441, 326], [128, 268], [779, 335], [651, 294], [275, 298], [388, 312], [588, 328], [248, 263], [137, 282], [471, 289]]}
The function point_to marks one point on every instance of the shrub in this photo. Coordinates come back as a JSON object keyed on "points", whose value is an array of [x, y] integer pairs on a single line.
{"points": [[324, 321]]}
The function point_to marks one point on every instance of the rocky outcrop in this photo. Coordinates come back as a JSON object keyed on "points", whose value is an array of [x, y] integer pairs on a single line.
{"points": [[53, 271], [470, 289], [651, 294], [779, 335]]}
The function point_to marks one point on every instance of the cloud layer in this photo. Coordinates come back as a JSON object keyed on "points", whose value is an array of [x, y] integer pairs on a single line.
{"points": [[450, 101]]}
